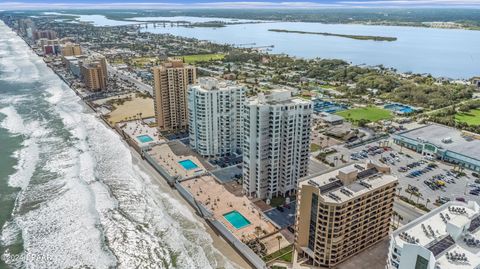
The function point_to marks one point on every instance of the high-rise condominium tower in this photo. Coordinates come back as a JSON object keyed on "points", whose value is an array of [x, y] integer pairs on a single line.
{"points": [[94, 73], [342, 212], [170, 94], [215, 117], [276, 143]]}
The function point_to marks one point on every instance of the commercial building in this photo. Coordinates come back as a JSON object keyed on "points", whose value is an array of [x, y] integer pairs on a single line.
{"points": [[277, 143], [342, 212], [447, 237], [70, 49], [215, 111], [94, 73], [170, 94], [444, 143]]}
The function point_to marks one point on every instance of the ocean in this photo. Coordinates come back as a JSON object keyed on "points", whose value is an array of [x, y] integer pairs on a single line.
{"points": [[71, 193]]}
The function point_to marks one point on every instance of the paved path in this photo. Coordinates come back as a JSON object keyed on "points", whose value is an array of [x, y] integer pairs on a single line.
{"points": [[407, 211]]}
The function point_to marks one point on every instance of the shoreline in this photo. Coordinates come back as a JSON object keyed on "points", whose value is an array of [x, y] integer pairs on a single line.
{"points": [[218, 242]]}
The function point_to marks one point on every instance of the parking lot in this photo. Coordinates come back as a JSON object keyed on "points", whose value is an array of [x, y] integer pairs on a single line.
{"points": [[430, 178]]}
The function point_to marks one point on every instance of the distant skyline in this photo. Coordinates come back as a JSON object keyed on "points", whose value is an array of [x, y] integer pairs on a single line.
{"points": [[204, 4]]}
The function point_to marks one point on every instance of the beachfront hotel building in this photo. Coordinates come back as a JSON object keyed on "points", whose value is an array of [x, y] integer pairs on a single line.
{"points": [[170, 94], [343, 211], [94, 73], [215, 121], [447, 237], [276, 143]]}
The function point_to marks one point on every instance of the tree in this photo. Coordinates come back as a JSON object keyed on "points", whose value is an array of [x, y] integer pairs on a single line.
{"points": [[399, 190], [279, 238]]}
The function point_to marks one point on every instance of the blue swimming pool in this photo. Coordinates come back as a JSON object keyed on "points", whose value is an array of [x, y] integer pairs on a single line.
{"points": [[188, 164], [399, 108], [236, 219], [327, 106], [144, 138]]}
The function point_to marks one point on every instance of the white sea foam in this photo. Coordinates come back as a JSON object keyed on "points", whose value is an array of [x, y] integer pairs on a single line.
{"points": [[89, 204]]}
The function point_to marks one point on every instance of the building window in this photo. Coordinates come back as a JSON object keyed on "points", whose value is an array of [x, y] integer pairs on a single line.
{"points": [[421, 263]]}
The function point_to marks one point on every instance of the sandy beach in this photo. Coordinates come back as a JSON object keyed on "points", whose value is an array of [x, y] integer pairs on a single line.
{"points": [[218, 242]]}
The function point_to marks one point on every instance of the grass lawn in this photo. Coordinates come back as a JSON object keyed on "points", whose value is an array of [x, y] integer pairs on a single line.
{"points": [[471, 117], [284, 254], [314, 147], [276, 201], [202, 57], [370, 113]]}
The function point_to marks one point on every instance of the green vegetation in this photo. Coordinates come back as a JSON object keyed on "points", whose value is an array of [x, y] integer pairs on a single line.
{"points": [[417, 205], [359, 37], [277, 201], [314, 147], [471, 117], [363, 115], [284, 254], [465, 115], [202, 57]]}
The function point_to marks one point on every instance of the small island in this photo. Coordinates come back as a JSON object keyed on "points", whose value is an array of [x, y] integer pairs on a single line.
{"points": [[359, 37]]}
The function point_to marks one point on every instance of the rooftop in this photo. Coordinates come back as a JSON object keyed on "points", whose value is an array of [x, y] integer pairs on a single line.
{"points": [[279, 96], [351, 181], [447, 229], [448, 138], [212, 84]]}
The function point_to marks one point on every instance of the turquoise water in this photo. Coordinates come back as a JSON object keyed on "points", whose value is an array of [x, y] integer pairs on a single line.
{"points": [[144, 138], [236, 219], [399, 108], [188, 164]]}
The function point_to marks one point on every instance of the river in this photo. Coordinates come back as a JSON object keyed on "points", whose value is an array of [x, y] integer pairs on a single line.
{"points": [[451, 53]]}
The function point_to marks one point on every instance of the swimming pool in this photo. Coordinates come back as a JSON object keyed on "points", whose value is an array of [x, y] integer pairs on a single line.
{"points": [[144, 138], [236, 219], [327, 106], [399, 108], [188, 164]]}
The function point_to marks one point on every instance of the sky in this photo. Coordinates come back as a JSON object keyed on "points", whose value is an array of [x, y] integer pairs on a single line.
{"points": [[205, 4]]}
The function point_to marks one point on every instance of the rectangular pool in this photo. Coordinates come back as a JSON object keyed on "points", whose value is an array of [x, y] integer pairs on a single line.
{"points": [[236, 219], [144, 138], [188, 164]]}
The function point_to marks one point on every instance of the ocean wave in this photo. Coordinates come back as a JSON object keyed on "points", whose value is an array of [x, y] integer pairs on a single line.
{"points": [[88, 203]]}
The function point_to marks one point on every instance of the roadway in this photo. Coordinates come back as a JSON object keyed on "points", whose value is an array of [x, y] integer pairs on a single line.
{"points": [[138, 84], [407, 211]]}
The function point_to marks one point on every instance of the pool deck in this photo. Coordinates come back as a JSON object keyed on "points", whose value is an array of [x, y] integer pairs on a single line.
{"points": [[165, 157], [136, 128], [220, 201]]}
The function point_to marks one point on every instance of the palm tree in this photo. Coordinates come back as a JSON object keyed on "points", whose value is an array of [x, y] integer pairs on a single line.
{"points": [[426, 203], [399, 219], [279, 237], [399, 190], [419, 195]]}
